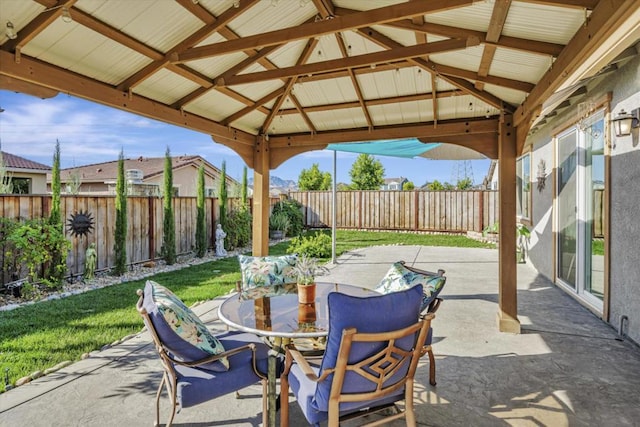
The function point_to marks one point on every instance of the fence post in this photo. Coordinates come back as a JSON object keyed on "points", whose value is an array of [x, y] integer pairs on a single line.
{"points": [[152, 228]]}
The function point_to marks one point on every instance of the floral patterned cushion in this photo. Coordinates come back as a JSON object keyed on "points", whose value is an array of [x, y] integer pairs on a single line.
{"points": [[266, 271], [400, 277], [180, 329]]}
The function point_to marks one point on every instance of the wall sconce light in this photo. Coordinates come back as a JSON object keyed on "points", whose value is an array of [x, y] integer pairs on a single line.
{"points": [[625, 122], [11, 31]]}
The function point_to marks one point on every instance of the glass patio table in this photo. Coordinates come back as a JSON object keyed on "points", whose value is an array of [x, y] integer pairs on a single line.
{"points": [[274, 311]]}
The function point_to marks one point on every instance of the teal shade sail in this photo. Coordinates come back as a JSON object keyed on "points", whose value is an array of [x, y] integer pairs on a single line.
{"points": [[407, 148]]}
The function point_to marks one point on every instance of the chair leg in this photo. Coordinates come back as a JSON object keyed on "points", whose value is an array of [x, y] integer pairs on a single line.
{"points": [[432, 368], [265, 415], [158, 393], [284, 401], [409, 414], [171, 389]]}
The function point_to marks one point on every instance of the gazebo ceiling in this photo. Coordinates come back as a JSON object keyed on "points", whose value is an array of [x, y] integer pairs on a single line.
{"points": [[303, 73]]}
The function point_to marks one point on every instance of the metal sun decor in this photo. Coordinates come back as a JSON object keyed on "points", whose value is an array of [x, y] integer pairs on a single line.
{"points": [[80, 224]]}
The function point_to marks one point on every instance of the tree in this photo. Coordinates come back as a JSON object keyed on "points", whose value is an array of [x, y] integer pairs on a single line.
{"points": [[408, 186], [243, 191], [312, 179], [54, 215], [120, 237], [366, 173], [57, 267], [74, 182], [464, 184], [201, 224], [435, 186], [168, 226], [223, 195], [6, 186]]}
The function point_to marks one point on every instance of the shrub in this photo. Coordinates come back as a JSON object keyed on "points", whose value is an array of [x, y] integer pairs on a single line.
{"points": [[279, 221], [293, 210], [316, 245], [201, 224], [238, 228], [33, 244]]}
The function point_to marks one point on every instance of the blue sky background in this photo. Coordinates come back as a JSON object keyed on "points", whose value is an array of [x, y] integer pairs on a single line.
{"points": [[92, 133]]}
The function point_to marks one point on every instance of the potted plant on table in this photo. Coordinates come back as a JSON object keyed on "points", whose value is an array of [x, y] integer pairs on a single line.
{"points": [[305, 272]]}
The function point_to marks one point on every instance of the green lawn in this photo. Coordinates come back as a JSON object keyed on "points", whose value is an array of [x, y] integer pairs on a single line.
{"points": [[39, 336]]}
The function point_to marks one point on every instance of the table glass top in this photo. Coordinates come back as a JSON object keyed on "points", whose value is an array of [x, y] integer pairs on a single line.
{"points": [[275, 311]]}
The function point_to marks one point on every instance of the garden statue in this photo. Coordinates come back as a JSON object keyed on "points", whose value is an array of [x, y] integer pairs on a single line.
{"points": [[90, 262], [220, 235]]}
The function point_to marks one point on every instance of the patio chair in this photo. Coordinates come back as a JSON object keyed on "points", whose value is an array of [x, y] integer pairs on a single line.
{"points": [[198, 366], [373, 348], [401, 276]]}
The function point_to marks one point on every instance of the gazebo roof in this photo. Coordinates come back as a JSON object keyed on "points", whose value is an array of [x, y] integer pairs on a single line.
{"points": [[304, 73]]}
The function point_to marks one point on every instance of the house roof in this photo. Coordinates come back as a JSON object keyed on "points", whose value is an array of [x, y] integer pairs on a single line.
{"points": [[294, 76], [12, 162], [394, 180], [150, 167]]}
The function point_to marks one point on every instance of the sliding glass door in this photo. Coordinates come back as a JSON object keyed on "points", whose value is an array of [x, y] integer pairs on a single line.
{"points": [[581, 210]]}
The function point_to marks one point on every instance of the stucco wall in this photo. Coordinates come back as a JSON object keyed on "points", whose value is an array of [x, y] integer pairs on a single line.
{"points": [[624, 185], [38, 181]]}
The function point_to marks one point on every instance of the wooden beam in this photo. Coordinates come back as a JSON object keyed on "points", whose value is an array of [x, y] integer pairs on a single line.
{"points": [[116, 35], [351, 62], [507, 277], [304, 114], [16, 85], [470, 75], [429, 66], [574, 4], [36, 72], [606, 18], [354, 82], [445, 128], [484, 143], [268, 97], [317, 29], [496, 24], [376, 101], [37, 25], [515, 43], [302, 59]]}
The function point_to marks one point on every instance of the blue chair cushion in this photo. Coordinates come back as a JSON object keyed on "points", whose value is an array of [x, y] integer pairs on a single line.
{"points": [[195, 384], [400, 277], [181, 331], [374, 314]]}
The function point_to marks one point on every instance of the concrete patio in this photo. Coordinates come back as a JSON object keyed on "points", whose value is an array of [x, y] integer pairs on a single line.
{"points": [[567, 368]]}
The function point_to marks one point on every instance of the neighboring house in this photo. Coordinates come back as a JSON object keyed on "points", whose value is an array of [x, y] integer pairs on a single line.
{"points": [[393, 183], [26, 176], [145, 176], [578, 191]]}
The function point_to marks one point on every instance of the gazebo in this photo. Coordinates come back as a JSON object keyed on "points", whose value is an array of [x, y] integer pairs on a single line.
{"points": [[275, 78]]}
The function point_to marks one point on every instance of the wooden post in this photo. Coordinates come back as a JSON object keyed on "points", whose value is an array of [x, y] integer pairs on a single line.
{"points": [[152, 228], [260, 246], [507, 297]]}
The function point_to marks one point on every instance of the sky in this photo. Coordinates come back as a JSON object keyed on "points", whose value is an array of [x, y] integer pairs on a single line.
{"points": [[92, 133]]}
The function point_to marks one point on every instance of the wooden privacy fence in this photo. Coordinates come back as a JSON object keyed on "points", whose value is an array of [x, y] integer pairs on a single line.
{"points": [[447, 211], [144, 225]]}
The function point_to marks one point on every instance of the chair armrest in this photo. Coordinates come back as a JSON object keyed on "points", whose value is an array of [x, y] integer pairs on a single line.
{"points": [[432, 308], [293, 355], [247, 347]]}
